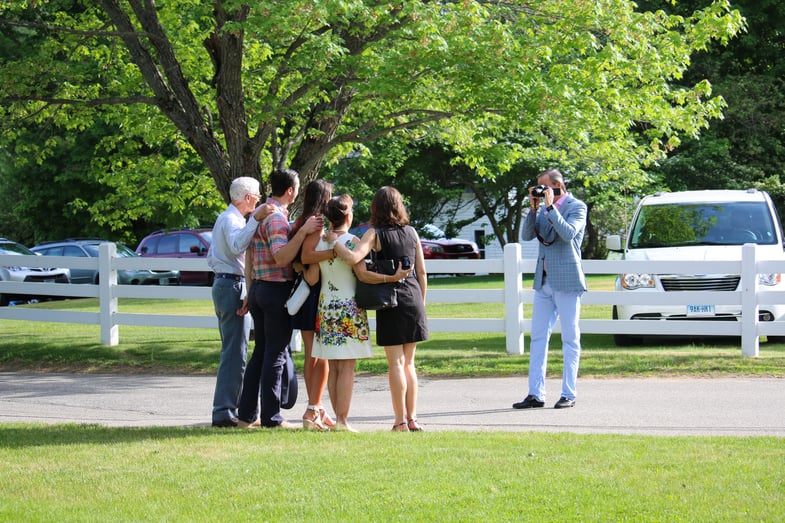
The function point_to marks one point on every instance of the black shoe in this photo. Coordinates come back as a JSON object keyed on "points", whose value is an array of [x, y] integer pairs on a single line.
{"points": [[529, 402], [564, 403], [224, 423]]}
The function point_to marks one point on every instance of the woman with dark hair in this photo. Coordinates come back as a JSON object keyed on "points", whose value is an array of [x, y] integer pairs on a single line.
{"points": [[398, 329], [342, 334], [315, 372]]}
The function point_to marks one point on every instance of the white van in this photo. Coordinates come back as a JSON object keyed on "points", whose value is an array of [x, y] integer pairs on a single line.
{"points": [[697, 225]]}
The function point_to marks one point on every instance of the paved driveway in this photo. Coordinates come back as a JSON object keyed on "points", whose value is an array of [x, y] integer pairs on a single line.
{"points": [[662, 406]]}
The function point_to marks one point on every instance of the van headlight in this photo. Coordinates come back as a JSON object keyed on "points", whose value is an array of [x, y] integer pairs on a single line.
{"points": [[637, 281], [769, 280]]}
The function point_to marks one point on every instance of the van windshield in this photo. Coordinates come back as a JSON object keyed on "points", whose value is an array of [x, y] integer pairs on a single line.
{"points": [[679, 224]]}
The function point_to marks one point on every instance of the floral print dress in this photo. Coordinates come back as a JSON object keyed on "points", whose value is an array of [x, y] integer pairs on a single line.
{"points": [[341, 326]]}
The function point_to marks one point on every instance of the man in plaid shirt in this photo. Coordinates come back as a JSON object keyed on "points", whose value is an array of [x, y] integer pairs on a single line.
{"points": [[269, 269]]}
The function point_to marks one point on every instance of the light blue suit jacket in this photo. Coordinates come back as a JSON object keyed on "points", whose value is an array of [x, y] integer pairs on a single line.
{"points": [[563, 228]]}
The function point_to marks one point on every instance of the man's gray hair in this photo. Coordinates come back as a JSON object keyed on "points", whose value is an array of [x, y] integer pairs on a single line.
{"points": [[554, 175], [242, 186]]}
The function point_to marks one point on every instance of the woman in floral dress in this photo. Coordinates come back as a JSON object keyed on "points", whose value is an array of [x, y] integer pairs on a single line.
{"points": [[342, 333]]}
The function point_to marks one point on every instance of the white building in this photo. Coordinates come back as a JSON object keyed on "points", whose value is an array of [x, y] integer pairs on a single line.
{"points": [[480, 229]]}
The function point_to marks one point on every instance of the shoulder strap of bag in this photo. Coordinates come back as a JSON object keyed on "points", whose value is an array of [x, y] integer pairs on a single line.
{"points": [[385, 247]]}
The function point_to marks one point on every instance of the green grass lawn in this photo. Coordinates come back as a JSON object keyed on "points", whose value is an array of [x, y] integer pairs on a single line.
{"points": [[74, 347], [91, 473]]}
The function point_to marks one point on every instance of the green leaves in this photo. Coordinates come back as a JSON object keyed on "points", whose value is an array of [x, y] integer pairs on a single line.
{"points": [[296, 82]]}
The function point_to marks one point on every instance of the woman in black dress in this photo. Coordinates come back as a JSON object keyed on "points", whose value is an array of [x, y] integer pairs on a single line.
{"points": [[398, 329]]}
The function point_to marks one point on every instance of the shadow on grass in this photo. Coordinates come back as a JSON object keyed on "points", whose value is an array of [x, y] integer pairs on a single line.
{"points": [[143, 356], [34, 435]]}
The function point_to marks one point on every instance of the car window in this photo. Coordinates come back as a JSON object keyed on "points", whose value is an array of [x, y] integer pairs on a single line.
{"points": [[51, 251], [166, 245], [72, 250], [189, 242], [148, 245], [674, 225], [10, 248], [123, 251], [431, 231]]}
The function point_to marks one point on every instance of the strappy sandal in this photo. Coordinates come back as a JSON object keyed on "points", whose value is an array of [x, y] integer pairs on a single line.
{"points": [[413, 426], [400, 427], [316, 423], [325, 418]]}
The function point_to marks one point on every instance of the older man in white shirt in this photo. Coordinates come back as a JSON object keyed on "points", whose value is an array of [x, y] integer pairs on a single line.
{"points": [[226, 257]]}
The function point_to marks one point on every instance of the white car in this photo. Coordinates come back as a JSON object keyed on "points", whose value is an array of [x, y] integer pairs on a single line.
{"points": [[26, 274], [698, 225]]}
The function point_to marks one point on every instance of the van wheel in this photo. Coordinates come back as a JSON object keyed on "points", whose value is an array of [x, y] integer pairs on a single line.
{"points": [[624, 340]]}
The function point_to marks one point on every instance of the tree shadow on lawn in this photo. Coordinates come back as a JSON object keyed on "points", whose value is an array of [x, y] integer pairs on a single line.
{"points": [[144, 356], [40, 435]]}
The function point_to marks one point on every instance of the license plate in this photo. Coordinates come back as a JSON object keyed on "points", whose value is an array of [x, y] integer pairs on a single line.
{"points": [[163, 281], [700, 310]]}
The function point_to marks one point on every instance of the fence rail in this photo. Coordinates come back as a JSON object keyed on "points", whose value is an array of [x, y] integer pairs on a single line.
{"points": [[513, 296]]}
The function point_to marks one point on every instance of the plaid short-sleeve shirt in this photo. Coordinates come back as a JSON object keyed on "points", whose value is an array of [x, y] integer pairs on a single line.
{"points": [[270, 237]]}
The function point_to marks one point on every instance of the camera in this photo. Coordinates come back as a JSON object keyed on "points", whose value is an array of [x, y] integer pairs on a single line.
{"points": [[538, 191]]}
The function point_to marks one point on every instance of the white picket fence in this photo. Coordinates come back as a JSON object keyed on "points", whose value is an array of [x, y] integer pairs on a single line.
{"points": [[513, 295]]}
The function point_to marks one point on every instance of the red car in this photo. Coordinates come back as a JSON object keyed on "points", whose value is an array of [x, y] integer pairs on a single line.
{"points": [[436, 246], [180, 243]]}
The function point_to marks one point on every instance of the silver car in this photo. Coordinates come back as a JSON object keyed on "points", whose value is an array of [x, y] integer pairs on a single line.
{"points": [[26, 274], [89, 248]]}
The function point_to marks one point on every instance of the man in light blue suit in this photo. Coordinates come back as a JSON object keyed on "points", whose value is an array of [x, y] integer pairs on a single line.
{"points": [[558, 221]]}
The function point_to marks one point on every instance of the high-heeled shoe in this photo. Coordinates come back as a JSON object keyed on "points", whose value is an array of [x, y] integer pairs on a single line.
{"points": [[325, 418], [400, 427], [414, 426], [316, 422]]}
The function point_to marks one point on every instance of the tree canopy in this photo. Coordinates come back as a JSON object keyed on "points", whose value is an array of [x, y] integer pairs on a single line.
{"points": [[746, 148], [247, 87]]}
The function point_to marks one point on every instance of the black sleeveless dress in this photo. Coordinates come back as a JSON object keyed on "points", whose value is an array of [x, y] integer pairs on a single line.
{"points": [[407, 322]]}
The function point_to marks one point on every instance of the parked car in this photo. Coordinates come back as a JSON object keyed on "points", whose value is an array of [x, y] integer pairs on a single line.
{"points": [[26, 274], [88, 248], [698, 225], [360, 229], [436, 246], [180, 243]]}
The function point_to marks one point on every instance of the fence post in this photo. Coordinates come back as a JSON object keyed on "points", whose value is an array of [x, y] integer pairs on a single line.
{"points": [[513, 308], [750, 340], [107, 281]]}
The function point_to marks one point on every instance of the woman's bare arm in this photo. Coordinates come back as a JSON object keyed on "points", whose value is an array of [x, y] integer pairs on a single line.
{"points": [[309, 254], [419, 265], [360, 250], [312, 274]]}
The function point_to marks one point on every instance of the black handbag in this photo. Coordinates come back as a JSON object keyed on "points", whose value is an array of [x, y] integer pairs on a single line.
{"points": [[289, 386], [377, 296]]}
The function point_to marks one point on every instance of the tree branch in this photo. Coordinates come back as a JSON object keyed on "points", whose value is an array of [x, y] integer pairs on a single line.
{"points": [[79, 32], [119, 100], [362, 133]]}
